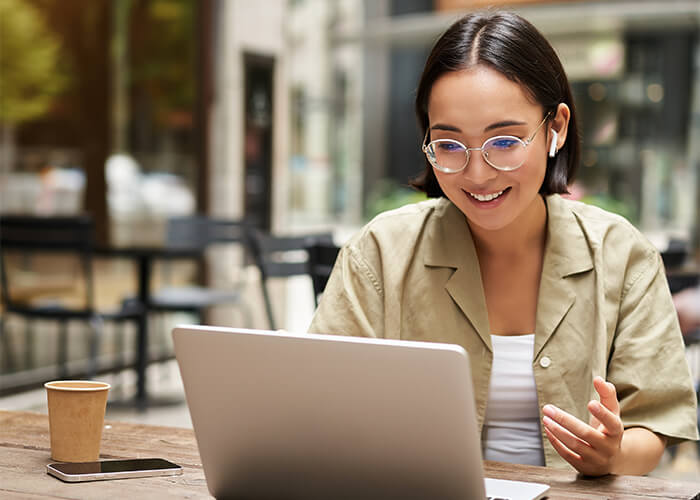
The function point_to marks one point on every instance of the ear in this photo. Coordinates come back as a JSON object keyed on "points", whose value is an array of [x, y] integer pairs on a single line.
{"points": [[559, 128]]}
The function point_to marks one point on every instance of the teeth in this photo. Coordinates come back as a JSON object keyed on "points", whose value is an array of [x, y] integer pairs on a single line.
{"points": [[486, 197]]}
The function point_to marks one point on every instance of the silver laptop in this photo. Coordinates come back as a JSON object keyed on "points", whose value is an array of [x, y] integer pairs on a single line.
{"points": [[285, 416]]}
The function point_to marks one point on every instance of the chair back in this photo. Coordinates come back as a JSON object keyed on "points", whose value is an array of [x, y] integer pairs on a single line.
{"points": [[281, 257], [201, 231], [220, 278], [675, 254], [28, 236], [322, 256], [284, 256], [678, 281]]}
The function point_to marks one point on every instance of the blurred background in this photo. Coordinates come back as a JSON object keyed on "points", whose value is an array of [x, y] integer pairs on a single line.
{"points": [[297, 115]]}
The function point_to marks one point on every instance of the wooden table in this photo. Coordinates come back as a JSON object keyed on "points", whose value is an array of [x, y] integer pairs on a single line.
{"points": [[25, 451]]}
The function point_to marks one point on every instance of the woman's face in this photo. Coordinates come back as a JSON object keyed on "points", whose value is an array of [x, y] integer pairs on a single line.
{"points": [[472, 106]]}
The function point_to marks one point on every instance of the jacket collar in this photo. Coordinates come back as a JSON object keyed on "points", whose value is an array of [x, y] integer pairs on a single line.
{"points": [[566, 253], [451, 245], [567, 246]]}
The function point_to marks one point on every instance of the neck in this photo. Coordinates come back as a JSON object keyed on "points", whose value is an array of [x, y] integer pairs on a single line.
{"points": [[525, 234]]}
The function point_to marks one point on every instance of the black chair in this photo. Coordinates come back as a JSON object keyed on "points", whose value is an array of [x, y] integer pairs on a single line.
{"points": [[678, 281], [282, 257], [25, 240], [322, 256], [675, 254], [201, 233]]}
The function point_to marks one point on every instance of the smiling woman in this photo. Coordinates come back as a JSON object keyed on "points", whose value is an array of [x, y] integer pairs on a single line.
{"points": [[563, 308], [510, 171]]}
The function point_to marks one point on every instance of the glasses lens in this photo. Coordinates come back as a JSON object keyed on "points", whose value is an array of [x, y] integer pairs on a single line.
{"points": [[447, 155], [504, 152]]}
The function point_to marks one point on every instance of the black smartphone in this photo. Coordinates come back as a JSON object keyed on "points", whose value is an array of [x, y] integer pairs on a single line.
{"points": [[113, 469]]}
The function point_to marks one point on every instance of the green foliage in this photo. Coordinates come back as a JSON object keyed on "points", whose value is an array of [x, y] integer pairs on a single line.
{"points": [[610, 204], [30, 75], [387, 194], [165, 65]]}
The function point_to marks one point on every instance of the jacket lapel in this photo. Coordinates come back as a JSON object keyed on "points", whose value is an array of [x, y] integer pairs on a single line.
{"points": [[566, 253], [452, 246]]}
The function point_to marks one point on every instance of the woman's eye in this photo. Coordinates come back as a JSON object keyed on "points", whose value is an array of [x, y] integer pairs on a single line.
{"points": [[449, 147], [505, 143]]}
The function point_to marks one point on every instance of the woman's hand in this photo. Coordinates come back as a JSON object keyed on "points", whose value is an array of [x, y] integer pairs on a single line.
{"points": [[591, 448]]}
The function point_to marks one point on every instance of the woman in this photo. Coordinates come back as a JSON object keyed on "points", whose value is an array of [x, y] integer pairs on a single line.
{"points": [[563, 308]]}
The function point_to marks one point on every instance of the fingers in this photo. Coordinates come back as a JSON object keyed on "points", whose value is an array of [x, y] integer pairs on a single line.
{"points": [[570, 431], [581, 437], [589, 450], [585, 448], [585, 465], [608, 394], [563, 451], [612, 425], [579, 447], [570, 423]]}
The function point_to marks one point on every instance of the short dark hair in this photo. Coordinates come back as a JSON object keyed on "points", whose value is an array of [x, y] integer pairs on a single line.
{"points": [[511, 45]]}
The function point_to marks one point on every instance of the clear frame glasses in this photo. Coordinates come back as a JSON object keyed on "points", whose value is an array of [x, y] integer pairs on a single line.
{"points": [[502, 152]]}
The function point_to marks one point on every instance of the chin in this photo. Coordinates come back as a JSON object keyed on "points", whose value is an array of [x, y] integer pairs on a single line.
{"points": [[493, 221], [489, 223]]}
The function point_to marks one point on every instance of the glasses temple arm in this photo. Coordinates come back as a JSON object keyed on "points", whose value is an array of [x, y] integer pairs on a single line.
{"points": [[425, 138], [532, 136]]}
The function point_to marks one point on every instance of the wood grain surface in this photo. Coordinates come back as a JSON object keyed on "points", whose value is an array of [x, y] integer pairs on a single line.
{"points": [[25, 452]]}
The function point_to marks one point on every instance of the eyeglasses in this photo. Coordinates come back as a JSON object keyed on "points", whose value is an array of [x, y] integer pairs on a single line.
{"points": [[502, 152]]}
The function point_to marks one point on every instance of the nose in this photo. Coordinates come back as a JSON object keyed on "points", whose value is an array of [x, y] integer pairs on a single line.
{"points": [[478, 171]]}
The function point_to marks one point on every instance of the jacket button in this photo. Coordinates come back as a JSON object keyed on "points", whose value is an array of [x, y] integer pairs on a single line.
{"points": [[545, 361]]}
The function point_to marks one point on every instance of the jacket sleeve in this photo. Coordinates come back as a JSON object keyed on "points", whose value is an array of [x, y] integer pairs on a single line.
{"points": [[353, 300], [647, 362]]}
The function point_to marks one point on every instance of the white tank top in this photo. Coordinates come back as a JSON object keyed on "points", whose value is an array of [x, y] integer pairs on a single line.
{"points": [[511, 431]]}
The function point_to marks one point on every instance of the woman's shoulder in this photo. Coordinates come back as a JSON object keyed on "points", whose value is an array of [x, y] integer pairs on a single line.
{"points": [[404, 221], [618, 243], [417, 210], [591, 213], [401, 231], [602, 227]]}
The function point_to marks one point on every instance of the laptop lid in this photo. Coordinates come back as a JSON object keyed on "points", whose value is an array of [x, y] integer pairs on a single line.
{"points": [[280, 415]]}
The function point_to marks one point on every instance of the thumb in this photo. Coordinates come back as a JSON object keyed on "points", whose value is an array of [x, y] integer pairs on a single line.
{"points": [[608, 394]]}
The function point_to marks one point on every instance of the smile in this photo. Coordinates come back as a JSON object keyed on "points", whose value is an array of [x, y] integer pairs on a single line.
{"points": [[486, 197]]}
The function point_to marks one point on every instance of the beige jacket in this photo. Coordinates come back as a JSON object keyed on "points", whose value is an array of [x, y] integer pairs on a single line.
{"points": [[604, 308]]}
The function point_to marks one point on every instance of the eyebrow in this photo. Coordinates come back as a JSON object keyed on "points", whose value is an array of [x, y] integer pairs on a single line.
{"points": [[501, 124]]}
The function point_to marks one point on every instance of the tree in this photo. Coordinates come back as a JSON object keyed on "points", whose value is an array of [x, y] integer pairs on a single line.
{"points": [[30, 72]]}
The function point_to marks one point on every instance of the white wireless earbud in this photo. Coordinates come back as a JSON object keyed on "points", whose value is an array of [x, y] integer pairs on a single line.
{"points": [[553, 146]]}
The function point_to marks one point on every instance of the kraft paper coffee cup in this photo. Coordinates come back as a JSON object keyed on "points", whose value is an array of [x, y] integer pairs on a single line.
{"points": [[76, 418]]}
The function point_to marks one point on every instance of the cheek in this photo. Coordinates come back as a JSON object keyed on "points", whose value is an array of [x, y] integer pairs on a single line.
{"points": [[448, 182], [538, 163], [444, 184], [531, 173]]}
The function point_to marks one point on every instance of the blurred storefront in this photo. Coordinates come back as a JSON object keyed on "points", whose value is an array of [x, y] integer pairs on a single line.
{"points": [[634, 67], [299, 113]]}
